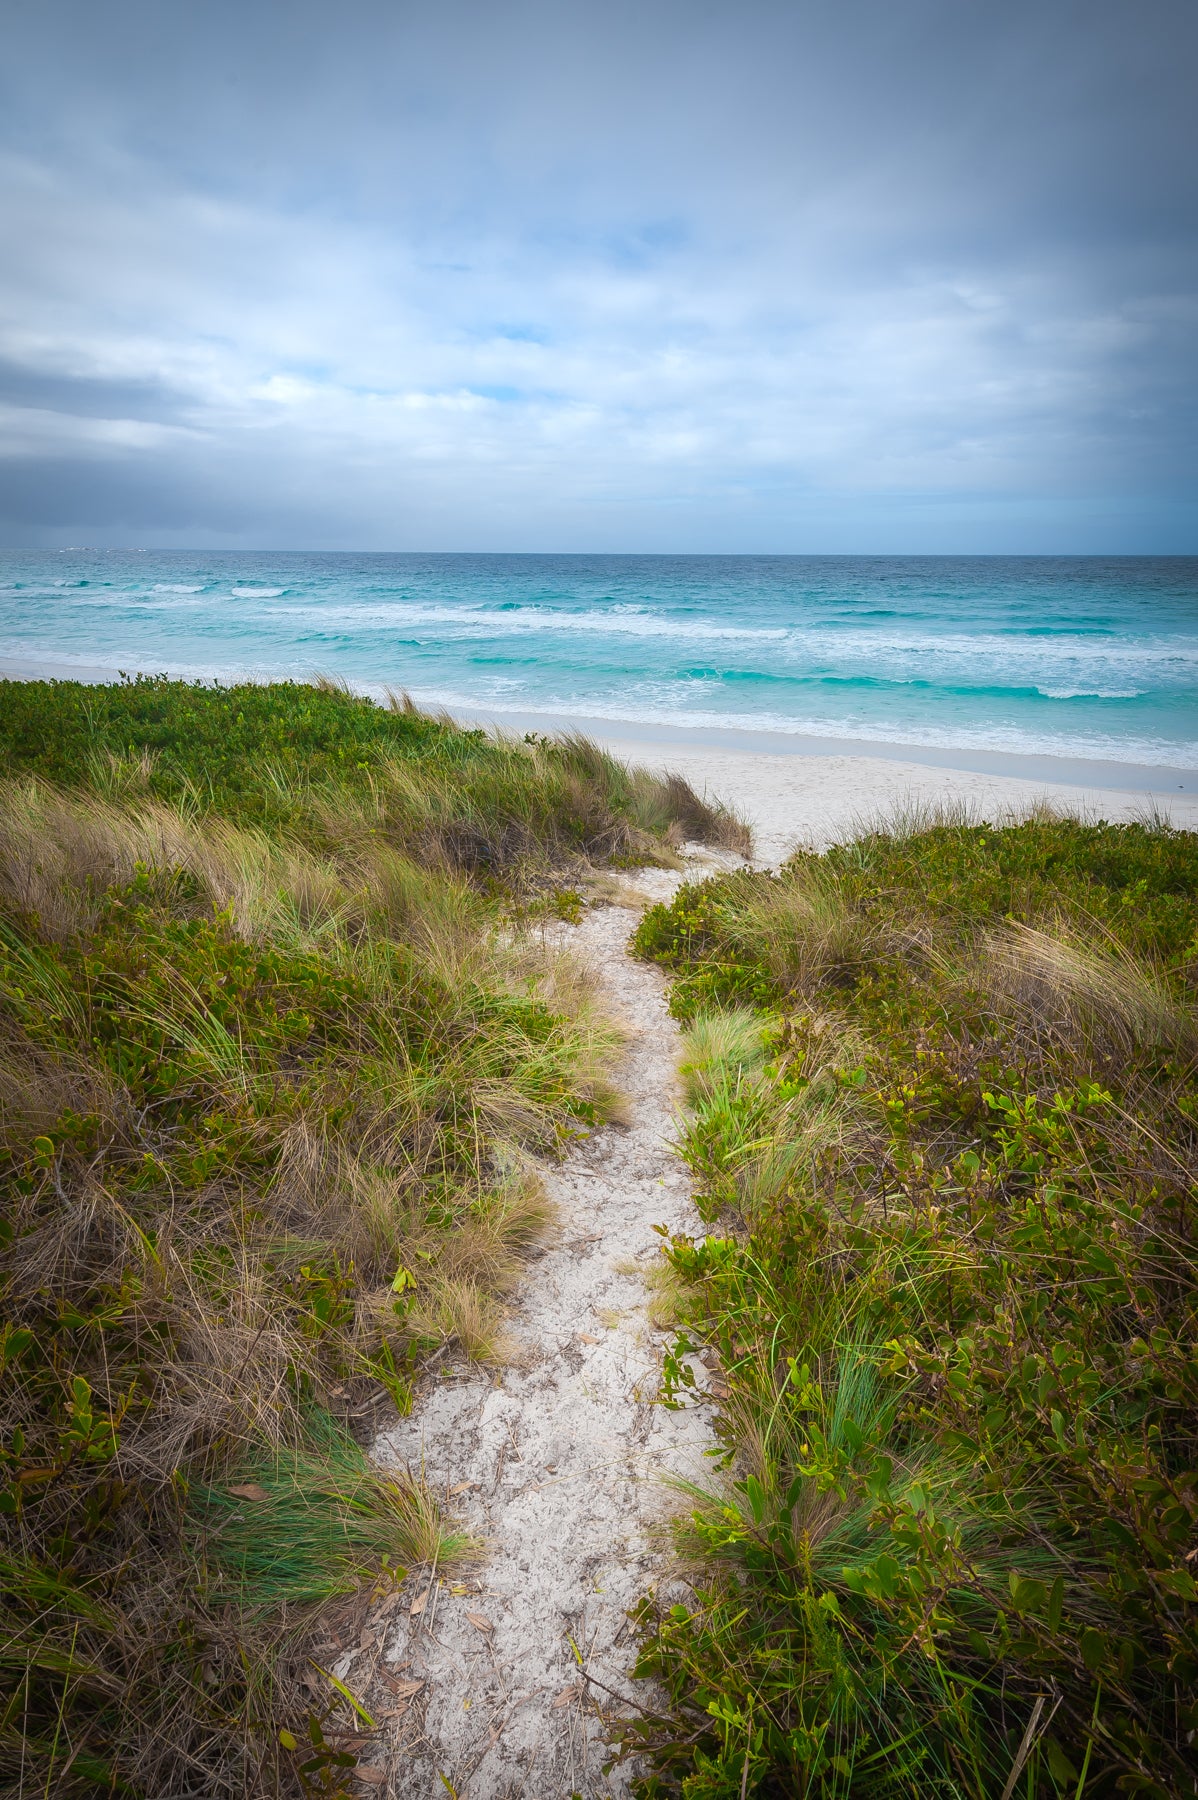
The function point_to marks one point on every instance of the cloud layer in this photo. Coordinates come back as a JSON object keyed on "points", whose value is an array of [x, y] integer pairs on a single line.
{"points": [[558, 276]]}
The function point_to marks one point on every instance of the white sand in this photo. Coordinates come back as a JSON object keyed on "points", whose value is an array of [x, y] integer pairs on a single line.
{"points": [[818, 800]]}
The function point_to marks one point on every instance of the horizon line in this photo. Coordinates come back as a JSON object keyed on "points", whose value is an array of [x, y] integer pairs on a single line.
{"points": [[779, 555]]}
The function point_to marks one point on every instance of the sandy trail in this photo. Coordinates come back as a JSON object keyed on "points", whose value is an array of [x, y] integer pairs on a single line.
{"points": [[567, 1450]]}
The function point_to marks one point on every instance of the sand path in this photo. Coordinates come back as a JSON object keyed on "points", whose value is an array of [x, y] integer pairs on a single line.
{"points": [[567, 1451]]}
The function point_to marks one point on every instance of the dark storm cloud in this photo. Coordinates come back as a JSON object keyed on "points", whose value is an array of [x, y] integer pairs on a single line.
{"points": [[777, 276]]}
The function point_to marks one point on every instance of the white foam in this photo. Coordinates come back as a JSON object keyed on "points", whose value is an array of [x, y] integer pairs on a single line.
{"points": [[1002, 659], [1089, 747], [478, 622]]}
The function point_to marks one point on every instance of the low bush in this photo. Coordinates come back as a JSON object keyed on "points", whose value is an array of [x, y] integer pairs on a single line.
{"points": [[950, 1300]]}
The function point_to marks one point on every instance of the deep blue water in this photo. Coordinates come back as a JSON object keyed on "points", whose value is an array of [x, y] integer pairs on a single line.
{"points": [[1085, 656]]}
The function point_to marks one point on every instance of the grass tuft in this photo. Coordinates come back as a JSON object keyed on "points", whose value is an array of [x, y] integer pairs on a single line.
{"points": [[298, 1529]]}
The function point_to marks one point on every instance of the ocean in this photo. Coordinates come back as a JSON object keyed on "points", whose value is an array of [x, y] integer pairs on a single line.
{"points": [[1091, 657]]}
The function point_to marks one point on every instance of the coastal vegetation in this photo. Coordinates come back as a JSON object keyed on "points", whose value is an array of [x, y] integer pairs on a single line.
{"points": [[943, 1117], [278, 1033]]}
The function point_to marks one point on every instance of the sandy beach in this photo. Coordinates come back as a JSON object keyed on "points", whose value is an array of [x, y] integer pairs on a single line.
{"points": [[793, 800], [798, 791]]}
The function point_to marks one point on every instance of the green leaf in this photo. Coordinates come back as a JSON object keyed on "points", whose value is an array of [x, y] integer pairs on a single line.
{"points": [[1029, 1596], [1177, 1581], [346, 1695], [1059, 1765]]}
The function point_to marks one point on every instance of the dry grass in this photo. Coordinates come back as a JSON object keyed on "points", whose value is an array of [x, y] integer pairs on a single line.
{"points": [[667, 1293], [772, 1136], [695, 820], [401, 848], [911, 817], [1093, 994], [458, 1311], [804, 929], [526, 808]]}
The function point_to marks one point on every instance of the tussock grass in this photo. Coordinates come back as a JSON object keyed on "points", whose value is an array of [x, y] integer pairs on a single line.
{"points": [[751, 1135], [719, 1047], [800, 932], [1094, 993], [276, 1041], [944, 1090], [298, 1529]]}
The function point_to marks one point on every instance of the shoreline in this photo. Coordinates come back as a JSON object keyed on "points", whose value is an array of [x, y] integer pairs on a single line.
{"points": [[1025, 765], [810, 791]]}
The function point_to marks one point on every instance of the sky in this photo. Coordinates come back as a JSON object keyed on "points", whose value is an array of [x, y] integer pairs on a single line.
{"points": [[600, 275]]}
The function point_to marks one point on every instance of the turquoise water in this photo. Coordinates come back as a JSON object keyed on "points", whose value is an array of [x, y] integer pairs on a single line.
{"points": [[1093, 657]]}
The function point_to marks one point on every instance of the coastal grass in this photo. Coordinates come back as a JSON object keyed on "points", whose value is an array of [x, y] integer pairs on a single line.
{"points": [[278, 1036], [943, 1084], [337, 773]]}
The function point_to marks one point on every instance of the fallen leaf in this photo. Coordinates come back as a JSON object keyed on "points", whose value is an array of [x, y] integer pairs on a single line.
{"points": [[479, 1622], [403, 1690], [588, 1339], [371, 1774], [249, 1490], [419, 1603]]}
